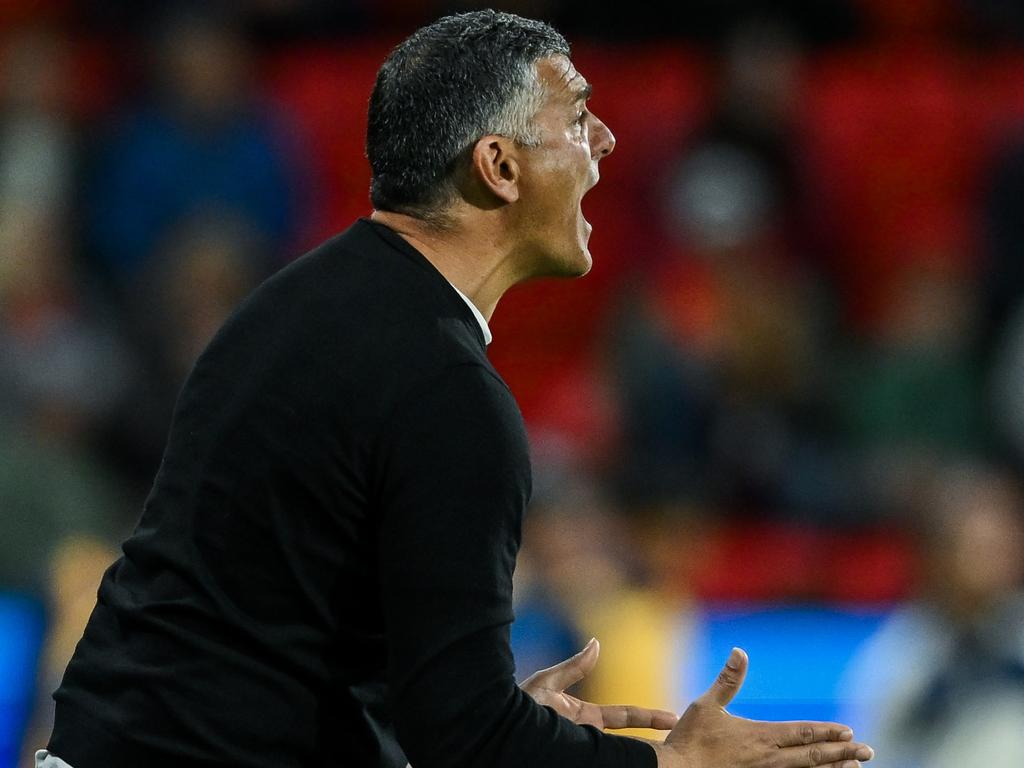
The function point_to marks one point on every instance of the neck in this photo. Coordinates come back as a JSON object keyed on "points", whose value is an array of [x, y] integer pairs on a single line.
{"points": [[474, 258]]}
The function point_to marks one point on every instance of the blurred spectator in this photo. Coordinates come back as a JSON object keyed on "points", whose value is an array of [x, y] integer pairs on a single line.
{"points": [[205, 267], [1007, 389], [543, 633], [63, 371], [592, 571], [911, 397], [63, 367], [202, 269], [36, 141], [1003, 268], [942, 683], [204, 144], [61, 508], [545, 630], [742, 176], [719, 359], [270, 21]]}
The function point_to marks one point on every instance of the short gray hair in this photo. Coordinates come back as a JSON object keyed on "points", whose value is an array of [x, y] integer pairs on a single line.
{"points": [[460, 78]]}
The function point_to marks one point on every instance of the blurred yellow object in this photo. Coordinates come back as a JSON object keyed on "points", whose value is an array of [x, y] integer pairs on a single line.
{"points": [[638, 630], [77, 564]]}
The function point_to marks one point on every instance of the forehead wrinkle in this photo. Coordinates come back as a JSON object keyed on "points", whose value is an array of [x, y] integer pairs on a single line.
{"points": [[578, 94], [568, 74]]}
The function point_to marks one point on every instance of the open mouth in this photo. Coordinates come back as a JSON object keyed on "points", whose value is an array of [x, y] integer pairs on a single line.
{"points": [[586, 224]]}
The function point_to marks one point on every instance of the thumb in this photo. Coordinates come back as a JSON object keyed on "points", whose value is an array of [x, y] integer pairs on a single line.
{"points": [[572, 670], [729, 680]]}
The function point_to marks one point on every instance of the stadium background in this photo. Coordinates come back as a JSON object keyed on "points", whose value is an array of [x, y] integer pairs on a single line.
{"points": [[783, 411]]}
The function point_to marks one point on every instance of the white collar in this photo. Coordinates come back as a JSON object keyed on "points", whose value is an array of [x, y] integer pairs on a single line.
{"points": [[477, 314]]}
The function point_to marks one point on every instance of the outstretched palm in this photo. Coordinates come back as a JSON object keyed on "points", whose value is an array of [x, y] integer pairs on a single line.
{"points": [[547, 687]]}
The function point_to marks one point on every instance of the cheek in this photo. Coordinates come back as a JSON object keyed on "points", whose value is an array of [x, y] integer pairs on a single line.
{"points": [[561, 180]]}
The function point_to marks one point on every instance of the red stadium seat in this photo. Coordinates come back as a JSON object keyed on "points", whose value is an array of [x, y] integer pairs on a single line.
{"points": [[747, 560], [326, 91], [895, 135]]}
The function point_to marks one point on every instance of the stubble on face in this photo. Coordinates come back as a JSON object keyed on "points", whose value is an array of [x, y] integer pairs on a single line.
{"points": [[558, 173]]}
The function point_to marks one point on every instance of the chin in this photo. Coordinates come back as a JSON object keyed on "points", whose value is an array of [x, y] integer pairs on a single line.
{"points": [[577, 263], [569, 258], [585, 263]]}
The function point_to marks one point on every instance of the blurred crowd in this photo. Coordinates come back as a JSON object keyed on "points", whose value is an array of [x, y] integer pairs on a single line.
{"points": [[795, 374]]}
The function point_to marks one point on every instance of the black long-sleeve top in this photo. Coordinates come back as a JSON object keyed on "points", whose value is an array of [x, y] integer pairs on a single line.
{"points": [[322, 574]]}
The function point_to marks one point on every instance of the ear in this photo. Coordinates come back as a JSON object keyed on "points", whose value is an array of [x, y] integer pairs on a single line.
{"points": [[495, 166]]}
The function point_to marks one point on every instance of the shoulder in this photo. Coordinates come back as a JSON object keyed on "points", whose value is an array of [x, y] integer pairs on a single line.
{"points": [[459, 428], [466, 404], [467, 396], [353, 330]]}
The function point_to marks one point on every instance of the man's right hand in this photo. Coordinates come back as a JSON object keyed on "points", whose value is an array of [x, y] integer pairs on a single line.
{"points": [[709, 737]]}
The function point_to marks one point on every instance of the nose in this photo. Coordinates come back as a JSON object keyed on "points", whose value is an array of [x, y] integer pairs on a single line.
{"points": [[602, 140]]}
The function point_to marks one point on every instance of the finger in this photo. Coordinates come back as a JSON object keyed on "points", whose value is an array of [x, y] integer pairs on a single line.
{"points": [[571, 671], [796, 733], [843, 764], [729, 680], [621, 716], [824, 753]]}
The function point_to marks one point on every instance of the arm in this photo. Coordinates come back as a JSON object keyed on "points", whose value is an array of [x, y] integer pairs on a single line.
{"points": [[707, 735], [454, 480], [454, 485]]}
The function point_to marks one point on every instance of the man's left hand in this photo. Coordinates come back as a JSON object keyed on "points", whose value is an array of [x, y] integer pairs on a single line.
{"points": [[547, 688]]}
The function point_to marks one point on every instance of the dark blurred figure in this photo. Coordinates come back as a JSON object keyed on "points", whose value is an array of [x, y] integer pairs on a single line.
{"points": [[63, 366], [269, 21], [191, 203], [719, 359], [1001, 337], [1003, 223], [587, 569], [743, 176], [202, 269], [818, 22], [910, 396], [61, 507], [1006, 395], [282, 20], [994, 22], [200, 143], [37, 142], [942, 683], [545, 630]]}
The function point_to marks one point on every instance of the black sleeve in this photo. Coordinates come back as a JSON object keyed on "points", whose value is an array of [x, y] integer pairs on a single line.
{"points": [[455, 482]]}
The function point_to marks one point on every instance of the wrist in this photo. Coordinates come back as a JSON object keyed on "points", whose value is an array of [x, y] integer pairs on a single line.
{"points": [[667, 757]]}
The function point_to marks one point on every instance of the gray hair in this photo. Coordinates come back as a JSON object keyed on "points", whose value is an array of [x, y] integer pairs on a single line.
{"points": [[460, 78]]}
